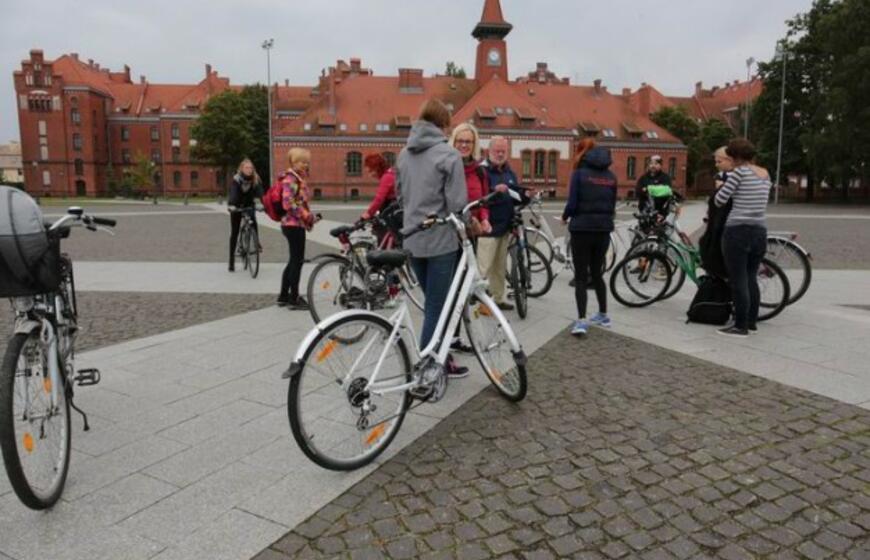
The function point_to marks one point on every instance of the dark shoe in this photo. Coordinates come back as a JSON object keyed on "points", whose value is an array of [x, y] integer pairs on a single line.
{"points": [[459, 346], [299, 304], [232, 266], [734, 331], [454, 370], [753, 329], [282, 301], [504, 306]]}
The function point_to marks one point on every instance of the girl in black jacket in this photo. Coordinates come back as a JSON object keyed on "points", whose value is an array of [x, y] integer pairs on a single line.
{"points": [[246, 190], [589, 213]]}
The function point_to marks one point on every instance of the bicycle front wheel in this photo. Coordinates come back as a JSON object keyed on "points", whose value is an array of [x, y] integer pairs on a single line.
{"points": [[519, 281], [253, 250], [537, 238], [487, 332], [335, 285], [773, 288], [540, 275], [794, 262], [641, 278], [34, 435], [343, 404], [678, 274]]}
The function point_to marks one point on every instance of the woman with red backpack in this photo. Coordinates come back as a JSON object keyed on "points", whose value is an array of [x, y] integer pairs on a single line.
{"points": [[297, 219]]}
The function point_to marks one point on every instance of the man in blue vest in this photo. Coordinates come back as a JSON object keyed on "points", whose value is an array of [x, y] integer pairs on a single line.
{"points": [[493, 247]]}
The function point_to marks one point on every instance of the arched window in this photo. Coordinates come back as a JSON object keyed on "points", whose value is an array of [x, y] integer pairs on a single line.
{"points": [[672, 167], [175, 132], [75, 116], [77, 142], [553, 165], [155, 134], [176, 179], [540, 164], [631, 168], [354, 194], [527, 164], [353, 164], [194, 179], [79, 166]]}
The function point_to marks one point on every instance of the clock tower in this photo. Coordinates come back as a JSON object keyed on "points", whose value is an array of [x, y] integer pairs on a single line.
{"points": [[491, 48]]}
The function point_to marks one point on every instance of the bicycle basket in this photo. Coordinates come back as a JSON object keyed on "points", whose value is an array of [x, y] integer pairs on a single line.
{"points": [[29, 257]]}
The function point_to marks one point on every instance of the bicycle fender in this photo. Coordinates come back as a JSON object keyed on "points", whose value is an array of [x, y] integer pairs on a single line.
{"points": [[306, 343], [292, 371], [26, 326]]}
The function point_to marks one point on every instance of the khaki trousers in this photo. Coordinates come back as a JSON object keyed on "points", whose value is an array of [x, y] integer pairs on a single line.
{"points": [[492, 258]]}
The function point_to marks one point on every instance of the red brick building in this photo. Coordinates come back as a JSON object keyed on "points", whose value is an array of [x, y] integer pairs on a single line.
{"points": [[78, 121]]}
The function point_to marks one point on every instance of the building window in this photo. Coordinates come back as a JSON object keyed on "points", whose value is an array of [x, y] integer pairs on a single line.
{"points": [[125, 134], [125, 156], [194, 179], [608, 133], [43, 152], [353, 164], [354, 194], [390, 158], [79, 167], [363, 127], [77, 142], [155, 155], [176, 133], [553, 165], [42, 128], [155, 134], [631, 168], [75, 116], [382, 127], [28, 79], [318, 194], [176, 154], [672, 167], [307, 126], [527, 164], [540, 164], [652, 134], [46, 178], [176, 179], [158, 179], [342, 127]]}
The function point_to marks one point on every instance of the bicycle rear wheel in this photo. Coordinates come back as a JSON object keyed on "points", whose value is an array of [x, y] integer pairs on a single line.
{"points": [[34, 436], [540, 275], [333, 286], [253, 253], [488, 336], [536, 238], [794, 262], [340, 419], [774, 288], [641, 278], [519, 281], [678, 275]]}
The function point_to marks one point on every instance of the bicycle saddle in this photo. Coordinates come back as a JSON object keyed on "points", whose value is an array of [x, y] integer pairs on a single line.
{"points": [[388, 259], [341, 230]]}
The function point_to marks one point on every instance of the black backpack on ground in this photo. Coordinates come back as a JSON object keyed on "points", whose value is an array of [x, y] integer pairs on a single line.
{"points": [[712, 302], [29, 256]]}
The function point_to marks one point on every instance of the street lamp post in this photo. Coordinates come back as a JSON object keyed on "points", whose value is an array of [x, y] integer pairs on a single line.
{"points": [[267, 46], [781, 52], [749, 62]]}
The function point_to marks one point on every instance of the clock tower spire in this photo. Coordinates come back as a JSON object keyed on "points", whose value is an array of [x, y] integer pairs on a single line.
{"points": [[492, 48]]}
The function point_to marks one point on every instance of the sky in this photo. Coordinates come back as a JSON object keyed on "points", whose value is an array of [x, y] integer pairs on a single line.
{"points": [[668, 43]]}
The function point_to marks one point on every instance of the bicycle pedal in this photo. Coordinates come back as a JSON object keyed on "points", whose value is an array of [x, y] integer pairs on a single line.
{"points": [[422, 392], [87, 377]]}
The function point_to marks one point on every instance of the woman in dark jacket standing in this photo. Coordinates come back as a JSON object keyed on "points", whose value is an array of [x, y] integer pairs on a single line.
{"points": [[589, 214], [246, 190]]}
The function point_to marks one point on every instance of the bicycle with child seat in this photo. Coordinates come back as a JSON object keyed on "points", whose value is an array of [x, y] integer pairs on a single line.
{"points": [[342, 281], [355, 375], [650, 266], [37, 378], [248, 246]]}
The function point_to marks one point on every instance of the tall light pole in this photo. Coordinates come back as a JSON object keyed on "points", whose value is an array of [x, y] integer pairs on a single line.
{"points": [[267, 46], [781, 52], [749, 62]]}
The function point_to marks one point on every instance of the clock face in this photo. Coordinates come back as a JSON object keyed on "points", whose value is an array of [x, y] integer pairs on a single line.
{"points": [[494, 57]]}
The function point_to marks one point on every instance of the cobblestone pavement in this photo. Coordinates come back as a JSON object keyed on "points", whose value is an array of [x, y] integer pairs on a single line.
{"points": [[108, 318], [621, 450]]}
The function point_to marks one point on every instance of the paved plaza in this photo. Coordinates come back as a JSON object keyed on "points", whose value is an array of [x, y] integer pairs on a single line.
{"points": [[656, 440]]}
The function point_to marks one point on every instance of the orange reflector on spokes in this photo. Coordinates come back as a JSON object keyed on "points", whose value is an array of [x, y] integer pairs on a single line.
{"points": [[326, 350], [484, 310], [496, 374], [376, 433], [46, 384], [28, 442], [326, 285]]}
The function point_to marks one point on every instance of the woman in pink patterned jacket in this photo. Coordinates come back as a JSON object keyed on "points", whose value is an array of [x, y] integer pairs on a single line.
{"points": [[296, 221]]}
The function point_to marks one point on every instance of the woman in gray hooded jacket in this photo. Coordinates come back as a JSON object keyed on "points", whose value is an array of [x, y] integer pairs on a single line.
{"points": [[430, 179]]}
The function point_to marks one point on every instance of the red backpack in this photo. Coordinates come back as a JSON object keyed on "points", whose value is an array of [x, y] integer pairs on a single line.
{"points": [[273, 203]]}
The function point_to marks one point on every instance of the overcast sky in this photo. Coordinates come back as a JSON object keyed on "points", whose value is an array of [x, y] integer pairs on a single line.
{"points": [[669, 43]]}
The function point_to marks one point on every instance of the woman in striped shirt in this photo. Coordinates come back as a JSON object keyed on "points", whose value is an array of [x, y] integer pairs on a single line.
{"points": [[744, 242]]}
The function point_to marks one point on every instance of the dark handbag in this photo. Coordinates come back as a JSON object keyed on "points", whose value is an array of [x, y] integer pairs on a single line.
{"points": [[712, 302]]}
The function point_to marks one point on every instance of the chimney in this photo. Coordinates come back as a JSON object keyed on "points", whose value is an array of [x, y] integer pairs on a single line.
{"points": [[286, 82], [355, 65], [36, 55], [74, 56], [142, 80], [410, 80], [643, 101], [626, 92], [332, 107], [597, 86], [91, 62], [699, 87], [207, 70], [643, 84], [127, 73]]}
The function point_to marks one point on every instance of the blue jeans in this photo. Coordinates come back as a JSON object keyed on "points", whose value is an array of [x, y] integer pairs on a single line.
{"points": [[435, 275], [743, 248]]}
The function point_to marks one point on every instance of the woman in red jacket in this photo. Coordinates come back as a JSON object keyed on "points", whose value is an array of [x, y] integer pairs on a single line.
{"points": [[466, 140], [379, 169]]}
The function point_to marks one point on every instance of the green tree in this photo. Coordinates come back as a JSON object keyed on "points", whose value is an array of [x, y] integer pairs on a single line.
{"points": [[255, 99], [223, 132], [141, 176], [454, 71]]}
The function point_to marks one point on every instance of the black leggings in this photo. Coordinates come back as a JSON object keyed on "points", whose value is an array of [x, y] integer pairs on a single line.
{"points": [[295, 237], [235, 226], [589, 249]]}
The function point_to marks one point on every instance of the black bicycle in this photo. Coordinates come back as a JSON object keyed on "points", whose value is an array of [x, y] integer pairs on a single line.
{"points": [[38, 375], [248, 247]]}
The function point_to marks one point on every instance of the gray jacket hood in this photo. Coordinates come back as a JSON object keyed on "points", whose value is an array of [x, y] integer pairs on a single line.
{"points": [[423, 136]]}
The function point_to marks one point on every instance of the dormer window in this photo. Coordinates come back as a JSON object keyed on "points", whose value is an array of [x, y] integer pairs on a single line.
{"points": [[652, 134], [342, 127], [363, 127], [307, 127], [608, 133]]}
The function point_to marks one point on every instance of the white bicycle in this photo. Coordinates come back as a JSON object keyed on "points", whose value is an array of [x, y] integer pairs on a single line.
{"points": [[356, 374]]}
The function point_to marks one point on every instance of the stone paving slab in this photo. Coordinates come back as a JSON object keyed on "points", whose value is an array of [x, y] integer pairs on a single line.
{"points": [[621, 450]]}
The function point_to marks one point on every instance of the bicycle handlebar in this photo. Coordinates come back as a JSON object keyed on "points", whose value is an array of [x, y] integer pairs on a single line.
{"points": [[434, 220], [79, 218]]}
